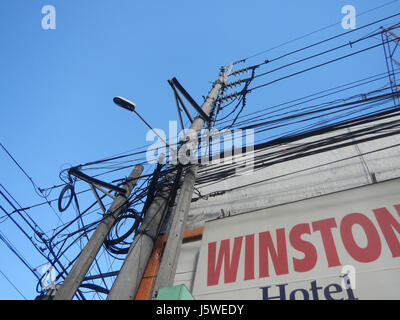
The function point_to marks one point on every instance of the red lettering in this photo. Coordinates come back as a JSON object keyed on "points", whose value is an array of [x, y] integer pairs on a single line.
{"points": [[249, 258], [325, 226], [373, 249], [230, 267], [387, 223], [278, 256], [310, 253]]}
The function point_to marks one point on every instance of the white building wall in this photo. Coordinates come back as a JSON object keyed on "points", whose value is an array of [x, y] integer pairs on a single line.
{"points": [[355, 172]]}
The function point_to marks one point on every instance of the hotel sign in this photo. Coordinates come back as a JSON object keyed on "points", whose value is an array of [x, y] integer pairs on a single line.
{"points": [[344, 245]]}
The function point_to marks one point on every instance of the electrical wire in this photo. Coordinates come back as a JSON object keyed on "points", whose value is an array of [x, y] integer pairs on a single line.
{"points": [[319, 30], [13, 285]]}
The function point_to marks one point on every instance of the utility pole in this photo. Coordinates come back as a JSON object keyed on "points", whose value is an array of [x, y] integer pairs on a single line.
{"points": [[169, 261], [89, 253], [131, 273]]}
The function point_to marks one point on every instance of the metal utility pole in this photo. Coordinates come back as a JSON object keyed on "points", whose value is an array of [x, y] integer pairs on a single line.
{"points": [[131, 273], [89, 253]]}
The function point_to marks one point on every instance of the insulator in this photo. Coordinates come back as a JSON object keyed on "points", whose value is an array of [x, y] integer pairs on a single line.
{"points": [[233, 84], [244, 70]]}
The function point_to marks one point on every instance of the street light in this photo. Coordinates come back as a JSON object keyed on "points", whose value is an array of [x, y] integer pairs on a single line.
{"points": [[129, 105], [124, 103]]}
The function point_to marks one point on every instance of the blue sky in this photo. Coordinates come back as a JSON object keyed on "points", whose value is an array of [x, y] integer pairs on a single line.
{"points": [[56, 86]]}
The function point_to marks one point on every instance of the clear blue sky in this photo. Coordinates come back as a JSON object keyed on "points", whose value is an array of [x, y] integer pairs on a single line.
{"points": [[56, 86]]}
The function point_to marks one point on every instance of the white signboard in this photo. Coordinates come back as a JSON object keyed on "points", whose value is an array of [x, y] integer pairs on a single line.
{"points": [[341, 246]]}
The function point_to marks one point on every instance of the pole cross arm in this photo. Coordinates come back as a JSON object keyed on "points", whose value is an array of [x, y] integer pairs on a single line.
{"points": [[75, 172], [202, 114]]}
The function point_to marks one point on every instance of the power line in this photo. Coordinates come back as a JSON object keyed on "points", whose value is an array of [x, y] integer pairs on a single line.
{"points": [[35, 187], [215, 173], [220, 192], [316, 66], [23, 171], [316, 31], [342, 116], [350, 43], [14, 286], [36, 230], [303, 150], [17, 253], [244, 91], [269, 110]]}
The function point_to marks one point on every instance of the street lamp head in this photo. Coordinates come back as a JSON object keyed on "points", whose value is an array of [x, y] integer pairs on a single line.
{"points": [[124, 103]]}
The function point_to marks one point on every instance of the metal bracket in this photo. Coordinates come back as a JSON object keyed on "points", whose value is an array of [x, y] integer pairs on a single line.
{"points": [[75, 172], [175, 83], [95, 184], [97, 198], [177, 101]]}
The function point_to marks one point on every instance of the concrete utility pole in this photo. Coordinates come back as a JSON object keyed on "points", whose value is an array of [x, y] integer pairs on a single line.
{"points": [[89, 253], [166, 272], [131, 273], [128, 280]]}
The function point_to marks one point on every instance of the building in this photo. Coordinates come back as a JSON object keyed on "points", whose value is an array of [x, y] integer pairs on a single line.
{"points": [[262, 240]]}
